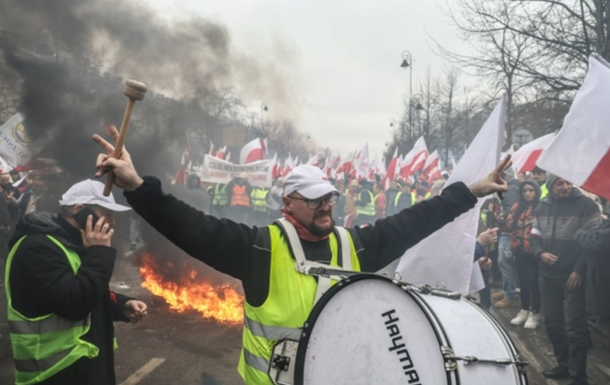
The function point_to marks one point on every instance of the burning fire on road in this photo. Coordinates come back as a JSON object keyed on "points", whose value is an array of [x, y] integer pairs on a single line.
{"points": [[220, 303]]}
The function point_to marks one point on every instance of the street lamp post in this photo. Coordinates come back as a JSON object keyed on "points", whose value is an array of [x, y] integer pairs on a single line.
{"points": [[407, 62], [264, 109]]}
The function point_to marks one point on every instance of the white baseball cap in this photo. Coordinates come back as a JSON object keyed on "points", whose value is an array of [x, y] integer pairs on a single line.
{"points": [[308, 181], [90, 192]]}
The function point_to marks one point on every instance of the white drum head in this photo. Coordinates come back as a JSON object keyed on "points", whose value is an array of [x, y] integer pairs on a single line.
{"points": [[369, 331]]}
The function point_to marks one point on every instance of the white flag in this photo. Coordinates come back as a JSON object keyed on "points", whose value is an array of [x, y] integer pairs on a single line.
{"points": [[447, 255]]}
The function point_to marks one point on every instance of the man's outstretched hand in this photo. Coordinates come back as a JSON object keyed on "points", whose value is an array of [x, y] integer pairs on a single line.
{"points": [[125, 173], [493, 182]]}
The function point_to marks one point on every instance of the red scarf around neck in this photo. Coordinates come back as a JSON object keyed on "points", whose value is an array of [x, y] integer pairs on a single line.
{"points": [[302, 231]]}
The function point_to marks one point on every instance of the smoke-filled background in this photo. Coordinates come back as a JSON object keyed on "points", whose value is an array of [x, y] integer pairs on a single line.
{"points": [[63, 65], [68, 60]]}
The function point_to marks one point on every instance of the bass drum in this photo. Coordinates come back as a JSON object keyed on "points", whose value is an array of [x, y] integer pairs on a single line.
{"points": [[368, 329]]}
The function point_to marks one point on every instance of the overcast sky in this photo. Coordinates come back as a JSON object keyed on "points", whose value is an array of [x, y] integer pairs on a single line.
{"points": [[340, 59]]}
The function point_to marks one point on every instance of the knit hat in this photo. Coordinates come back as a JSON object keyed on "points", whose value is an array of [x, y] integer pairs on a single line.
{"points": [[550, 179]]}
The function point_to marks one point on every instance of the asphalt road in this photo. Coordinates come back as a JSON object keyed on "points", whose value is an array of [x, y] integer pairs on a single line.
{"points": [[172, 348]]}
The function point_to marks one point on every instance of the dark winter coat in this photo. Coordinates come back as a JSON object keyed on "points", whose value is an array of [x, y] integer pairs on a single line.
{"points": [[597, 244], [42, 282], [555, 223]]}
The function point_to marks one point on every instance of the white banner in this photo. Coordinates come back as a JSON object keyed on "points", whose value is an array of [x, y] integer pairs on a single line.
{"points": [[16, 145], [216, 170]]}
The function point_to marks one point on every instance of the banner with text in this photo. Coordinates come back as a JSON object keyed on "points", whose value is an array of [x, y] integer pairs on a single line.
{"points": [[216, 170], [16, 146]]}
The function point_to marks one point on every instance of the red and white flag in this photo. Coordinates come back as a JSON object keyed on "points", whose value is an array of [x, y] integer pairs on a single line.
{"points": [[432, 170], [415, 159], [524, 159], [181, 174], [580, 152], [221, 153], [251, 152], [212, 149], [362, 162], [391, 168], [346, 164]]}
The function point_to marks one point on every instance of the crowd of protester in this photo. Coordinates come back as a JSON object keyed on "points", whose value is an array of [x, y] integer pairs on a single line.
{"points": [[537, 247]]}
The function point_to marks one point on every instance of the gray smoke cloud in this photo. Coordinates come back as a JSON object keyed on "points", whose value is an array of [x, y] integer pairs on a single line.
{"points": [[71, 58]]}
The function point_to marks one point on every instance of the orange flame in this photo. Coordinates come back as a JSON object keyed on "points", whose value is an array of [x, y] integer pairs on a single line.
{"points": [[219, 303]]}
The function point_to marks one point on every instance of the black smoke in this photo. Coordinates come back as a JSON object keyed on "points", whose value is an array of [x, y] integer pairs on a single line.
{"points": [[71, 59]]}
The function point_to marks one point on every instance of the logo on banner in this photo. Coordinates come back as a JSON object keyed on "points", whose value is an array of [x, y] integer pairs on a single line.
{"points": [[21, 135]]}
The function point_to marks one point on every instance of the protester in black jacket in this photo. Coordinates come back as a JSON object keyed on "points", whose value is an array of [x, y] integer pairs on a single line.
{"points": [[42, 281], [308, 202], [563, 267]]}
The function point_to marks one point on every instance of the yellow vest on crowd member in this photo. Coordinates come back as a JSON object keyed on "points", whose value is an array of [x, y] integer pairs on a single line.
{"points": [[369, 209], [221, 198], [544, 191], [239, 196], [259, 199], [43, 346], [289, 301], [414, 196], [397, 198]]}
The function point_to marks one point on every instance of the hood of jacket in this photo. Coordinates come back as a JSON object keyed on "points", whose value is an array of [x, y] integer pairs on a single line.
{"points": [[52, 224]]}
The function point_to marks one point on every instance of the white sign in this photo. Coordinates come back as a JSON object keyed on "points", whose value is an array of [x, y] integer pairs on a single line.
{"points": [[216, 170], [16, 146]]}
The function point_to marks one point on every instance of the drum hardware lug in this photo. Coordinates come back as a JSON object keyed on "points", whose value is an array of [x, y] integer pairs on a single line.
{"points": [[450, 364], [454, 295], [451, 360], [280, 362]]}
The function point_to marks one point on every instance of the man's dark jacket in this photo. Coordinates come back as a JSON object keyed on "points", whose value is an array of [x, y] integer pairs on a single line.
{"points": [[555, 223], [596, 243], [227, 246], [42, 282]]}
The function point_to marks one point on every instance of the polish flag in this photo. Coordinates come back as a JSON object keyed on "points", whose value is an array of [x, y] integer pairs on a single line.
{"points": [[431, 170], [228, 157], [361, 162], [212, 149], [346, 164], [251, 152], [275, 168], [288, 165], [414, 159], [580, 152], [392, 167], [524, 159], [181, 174], [221, 153], [265, 146]]}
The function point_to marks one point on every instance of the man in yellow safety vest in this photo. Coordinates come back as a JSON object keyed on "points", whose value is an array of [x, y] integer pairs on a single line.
{"points": [[279, 295], [60, 309]]}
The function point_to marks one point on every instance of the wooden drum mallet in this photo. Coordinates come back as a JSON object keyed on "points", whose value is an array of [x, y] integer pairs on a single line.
{"points": [[134, 90]]}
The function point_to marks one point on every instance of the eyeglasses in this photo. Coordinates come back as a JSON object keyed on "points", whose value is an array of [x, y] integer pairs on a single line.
{"points": [[314, 204]]}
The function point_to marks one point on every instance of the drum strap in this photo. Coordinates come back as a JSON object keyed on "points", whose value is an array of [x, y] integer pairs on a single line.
{"points": [[321, 270]]}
